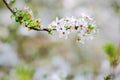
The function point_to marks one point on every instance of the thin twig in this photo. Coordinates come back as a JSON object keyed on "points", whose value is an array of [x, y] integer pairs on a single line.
{"points": [[45, 29], [14, 13], [9, 7]]}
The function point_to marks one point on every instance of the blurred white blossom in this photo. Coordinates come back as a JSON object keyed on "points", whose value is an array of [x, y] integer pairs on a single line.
{"points": [[55, 77], [63, 68], [8, 56], [42, 74]]}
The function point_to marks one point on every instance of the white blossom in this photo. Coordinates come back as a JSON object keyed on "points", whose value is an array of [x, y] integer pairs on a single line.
{"points": [[26, 8], [84, 27], [55, 77]]}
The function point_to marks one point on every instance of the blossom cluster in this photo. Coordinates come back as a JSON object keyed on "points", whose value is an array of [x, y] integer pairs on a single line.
{"points": [[25, 17], [84, 27]]}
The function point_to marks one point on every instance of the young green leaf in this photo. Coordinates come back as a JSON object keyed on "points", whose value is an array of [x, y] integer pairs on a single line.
{"points": [[91, 27], [111, 50], [24, 73], [12, 2], [107, 77]]}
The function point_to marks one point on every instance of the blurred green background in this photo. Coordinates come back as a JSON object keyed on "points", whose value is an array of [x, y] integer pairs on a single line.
{"points": [[32, 55]]}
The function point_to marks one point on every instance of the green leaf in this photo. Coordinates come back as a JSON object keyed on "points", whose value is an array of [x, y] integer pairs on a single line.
{"points": [[67, 27], [107, 77], [116, 7], [26, 16], [111, 50], [20, 13], [50, 31], [24, 73], [12, 2], [90, 26], [18, 19], [33, 23]]}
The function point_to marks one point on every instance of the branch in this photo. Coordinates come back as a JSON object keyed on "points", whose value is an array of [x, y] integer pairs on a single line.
{"points": [[9, 7], [45, 29], [14, 13]]}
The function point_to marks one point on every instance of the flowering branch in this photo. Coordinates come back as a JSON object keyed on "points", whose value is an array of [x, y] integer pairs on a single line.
{"points": [[84, 26], [14, 13]]}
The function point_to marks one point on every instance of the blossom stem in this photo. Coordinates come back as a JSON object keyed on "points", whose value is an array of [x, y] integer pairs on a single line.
{"points": [[14, 13], [9, 7]]}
